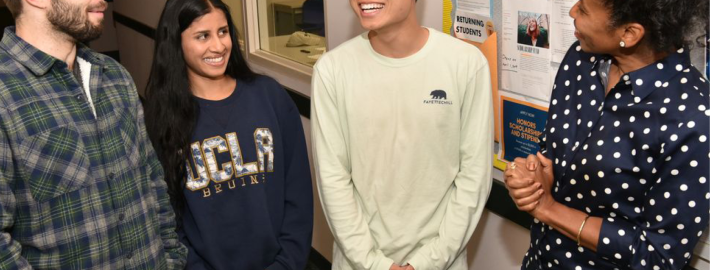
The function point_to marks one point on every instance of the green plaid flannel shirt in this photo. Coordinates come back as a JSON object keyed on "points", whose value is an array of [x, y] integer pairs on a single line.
{"points": [[78, 191]]}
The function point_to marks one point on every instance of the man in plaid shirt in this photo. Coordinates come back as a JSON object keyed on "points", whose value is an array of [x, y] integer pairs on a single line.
{"points": [[80, 184]]}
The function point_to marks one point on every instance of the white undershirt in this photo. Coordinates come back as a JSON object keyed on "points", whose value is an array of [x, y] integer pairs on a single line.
{"points": [[85, 68]]}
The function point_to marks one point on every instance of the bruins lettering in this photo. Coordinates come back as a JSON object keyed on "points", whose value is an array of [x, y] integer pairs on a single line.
{"points": [[206, 169]]}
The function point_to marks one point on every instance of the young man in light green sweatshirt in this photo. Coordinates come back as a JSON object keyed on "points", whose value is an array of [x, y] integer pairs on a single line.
{"points": [[403, 140]]}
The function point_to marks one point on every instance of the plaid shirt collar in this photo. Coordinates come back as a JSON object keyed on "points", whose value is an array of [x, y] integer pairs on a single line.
{"points": [[38, 61]]}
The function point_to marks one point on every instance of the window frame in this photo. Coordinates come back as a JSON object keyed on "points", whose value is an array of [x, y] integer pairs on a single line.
{"points": [[254, 51]]}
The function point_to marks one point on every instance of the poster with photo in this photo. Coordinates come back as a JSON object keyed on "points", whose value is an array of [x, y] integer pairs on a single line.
{"points": [[526, 55], [563, 24], [533, 30]]}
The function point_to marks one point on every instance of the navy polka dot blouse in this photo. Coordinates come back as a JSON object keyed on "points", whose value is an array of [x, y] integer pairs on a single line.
{"points": [[637, 157]]}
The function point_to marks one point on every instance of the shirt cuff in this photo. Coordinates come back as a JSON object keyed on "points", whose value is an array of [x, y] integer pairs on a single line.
{"points": [[420, 263], [383, 263], [616, 240]]}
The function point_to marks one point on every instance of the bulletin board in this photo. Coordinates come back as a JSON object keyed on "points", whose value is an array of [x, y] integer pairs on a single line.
{"points": [[522, 72]]}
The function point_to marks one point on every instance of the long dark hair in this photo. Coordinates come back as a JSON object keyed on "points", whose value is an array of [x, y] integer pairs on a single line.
{"points": [[171, 109]]}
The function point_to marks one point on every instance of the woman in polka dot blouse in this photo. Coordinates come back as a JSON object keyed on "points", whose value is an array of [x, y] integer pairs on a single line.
{"points": [[621, 178]]}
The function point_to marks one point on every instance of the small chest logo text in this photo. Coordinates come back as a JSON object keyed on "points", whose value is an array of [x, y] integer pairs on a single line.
{"points": [[438, 97]]}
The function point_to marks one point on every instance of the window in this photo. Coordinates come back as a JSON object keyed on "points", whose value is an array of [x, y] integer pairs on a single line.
{"points": [[291, 29]]}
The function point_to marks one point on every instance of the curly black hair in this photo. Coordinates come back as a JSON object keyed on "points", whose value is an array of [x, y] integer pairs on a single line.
{"points": [[669, 24]]}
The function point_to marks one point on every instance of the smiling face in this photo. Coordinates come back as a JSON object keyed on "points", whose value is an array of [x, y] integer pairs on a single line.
{"points": [[80, 19], [206, 45], [591, 29], [532, 25], [379, 15]]}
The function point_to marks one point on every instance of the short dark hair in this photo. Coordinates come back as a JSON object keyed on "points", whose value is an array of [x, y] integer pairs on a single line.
{"points": [[15, 7], [669, 24]]}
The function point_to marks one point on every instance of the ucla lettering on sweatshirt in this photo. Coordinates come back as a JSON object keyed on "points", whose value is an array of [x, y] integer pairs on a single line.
{"points": [[248, 183]]}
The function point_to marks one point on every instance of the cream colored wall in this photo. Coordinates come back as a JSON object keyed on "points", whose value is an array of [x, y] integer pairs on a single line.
{"points": [[147, 12], [237, 10], [135, 49], [497, 244], [136, 52]]}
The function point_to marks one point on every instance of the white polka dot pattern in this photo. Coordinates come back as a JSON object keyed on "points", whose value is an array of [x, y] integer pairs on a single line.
{"points": [[643, 156]]}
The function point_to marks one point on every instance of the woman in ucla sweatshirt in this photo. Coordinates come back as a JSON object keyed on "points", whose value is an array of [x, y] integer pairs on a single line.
{"points": [[231, 144]]}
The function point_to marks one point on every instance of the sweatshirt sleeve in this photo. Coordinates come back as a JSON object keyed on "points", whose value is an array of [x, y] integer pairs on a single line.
{"points": [[297, 227], [193, 260], [473, 181], [345, 217]]}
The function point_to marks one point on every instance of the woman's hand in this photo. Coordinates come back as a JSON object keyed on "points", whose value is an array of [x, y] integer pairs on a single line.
{"points": [[562, 218], [529, 183], [521, 185], [544, 175]]}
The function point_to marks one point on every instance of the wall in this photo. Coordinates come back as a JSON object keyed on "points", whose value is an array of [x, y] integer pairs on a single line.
{"points": [[136, 52], [237, 9], [497, 244], [322, 238], [6, 18], [147, 12], [135, 49], [107, 42]]}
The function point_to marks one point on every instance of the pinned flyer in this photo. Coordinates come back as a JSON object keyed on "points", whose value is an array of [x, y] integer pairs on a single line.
{"points": [[479, 30], [473, 27], [523, 124]]}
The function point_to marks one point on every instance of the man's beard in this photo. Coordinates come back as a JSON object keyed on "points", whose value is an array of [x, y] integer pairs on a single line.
{"points": [[73, 20]]}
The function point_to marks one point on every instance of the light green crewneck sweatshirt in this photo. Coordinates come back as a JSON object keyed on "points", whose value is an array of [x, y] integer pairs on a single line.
{"points": [[403, 150]]}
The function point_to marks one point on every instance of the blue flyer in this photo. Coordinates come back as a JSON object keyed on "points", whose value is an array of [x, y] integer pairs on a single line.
{"points": [[523, 124]]}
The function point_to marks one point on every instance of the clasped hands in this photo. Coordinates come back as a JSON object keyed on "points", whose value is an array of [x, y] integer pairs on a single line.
{"points": [[529, 182]]}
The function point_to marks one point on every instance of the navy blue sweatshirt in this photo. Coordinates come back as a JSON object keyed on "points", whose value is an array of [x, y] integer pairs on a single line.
{"points": [[248, 190]]}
